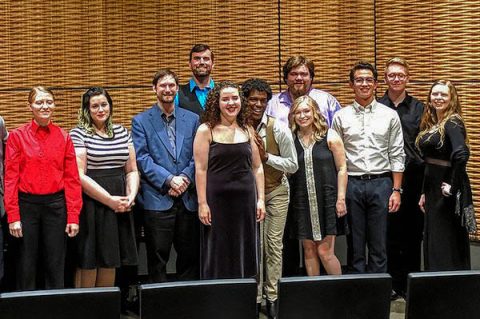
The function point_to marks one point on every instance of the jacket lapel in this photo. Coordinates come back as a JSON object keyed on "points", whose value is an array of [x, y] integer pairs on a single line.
{"points": [[179, 134]]}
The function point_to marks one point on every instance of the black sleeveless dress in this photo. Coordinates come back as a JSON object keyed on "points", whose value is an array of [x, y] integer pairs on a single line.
{"points": [[229, 247], [313, 192]]}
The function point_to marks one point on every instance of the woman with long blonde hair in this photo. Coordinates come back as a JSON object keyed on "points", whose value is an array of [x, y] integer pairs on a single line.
{"points": [[318, 187], [446, 199]]}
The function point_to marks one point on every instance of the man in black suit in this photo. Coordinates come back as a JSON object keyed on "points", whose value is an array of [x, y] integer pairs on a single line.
{"points": [[192, 96]]}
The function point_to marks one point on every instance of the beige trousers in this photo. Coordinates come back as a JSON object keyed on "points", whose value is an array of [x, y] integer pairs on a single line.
{"points": [[271, 239]]}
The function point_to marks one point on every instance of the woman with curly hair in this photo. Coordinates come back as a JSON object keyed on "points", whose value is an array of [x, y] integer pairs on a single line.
{"points": [[230, 186], [109, 176], [447, 197]]}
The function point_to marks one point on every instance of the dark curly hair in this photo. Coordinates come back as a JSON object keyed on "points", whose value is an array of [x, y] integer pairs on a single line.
{"points": [[258, 85], [211, 116]]}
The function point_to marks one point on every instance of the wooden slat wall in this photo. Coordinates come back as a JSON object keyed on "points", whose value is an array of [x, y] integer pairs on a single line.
{"points": [[71, 45]]}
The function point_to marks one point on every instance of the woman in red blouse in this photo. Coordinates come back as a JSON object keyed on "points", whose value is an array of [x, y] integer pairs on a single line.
{"points": [[43, 195]]}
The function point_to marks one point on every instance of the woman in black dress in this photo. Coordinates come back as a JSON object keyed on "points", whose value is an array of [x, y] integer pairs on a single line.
{"points": [[447, 198], [230, 187], [318, 187]]}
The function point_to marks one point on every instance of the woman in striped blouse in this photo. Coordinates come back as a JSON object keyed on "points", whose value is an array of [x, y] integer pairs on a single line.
{"points": [[108, 171]]}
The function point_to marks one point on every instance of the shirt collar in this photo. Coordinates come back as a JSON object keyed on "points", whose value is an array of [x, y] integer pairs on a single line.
{"points": [[162, 113], [263, 121], [370, 107], [35, 127], [406, 101], [193, 85]]}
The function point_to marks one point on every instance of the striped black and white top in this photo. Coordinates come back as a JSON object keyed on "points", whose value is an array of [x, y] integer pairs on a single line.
{"points": [[103, 152]]}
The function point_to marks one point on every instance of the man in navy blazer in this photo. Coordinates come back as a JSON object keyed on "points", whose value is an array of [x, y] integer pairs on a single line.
{"points": [[163, 139]]}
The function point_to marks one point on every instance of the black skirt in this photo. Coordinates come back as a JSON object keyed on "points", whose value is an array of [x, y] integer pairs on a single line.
{"points": [[106, 239]]}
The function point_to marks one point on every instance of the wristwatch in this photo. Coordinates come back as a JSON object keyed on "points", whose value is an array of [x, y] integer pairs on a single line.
{"points": [[400, 190]]}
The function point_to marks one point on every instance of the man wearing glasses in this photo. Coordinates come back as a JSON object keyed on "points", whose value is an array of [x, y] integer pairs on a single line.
{"points": [[372, 135], [404, 248], [298, 74]]}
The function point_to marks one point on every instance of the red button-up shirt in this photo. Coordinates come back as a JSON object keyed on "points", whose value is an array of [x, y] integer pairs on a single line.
{"points": [[41, 160]]}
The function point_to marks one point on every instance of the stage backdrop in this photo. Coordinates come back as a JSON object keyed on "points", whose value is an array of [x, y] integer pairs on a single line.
{"points": [[71, 45]]}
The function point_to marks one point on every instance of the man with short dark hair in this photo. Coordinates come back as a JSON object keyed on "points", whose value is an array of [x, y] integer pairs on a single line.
{"points": [[298, 74], [192, 96], [405, 228], [372, 135], [278, 154], [163, 139]]}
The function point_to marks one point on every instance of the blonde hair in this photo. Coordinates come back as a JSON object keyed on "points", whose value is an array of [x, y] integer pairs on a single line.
{"points": [[320, 126], [399, 61], [429, 117]]}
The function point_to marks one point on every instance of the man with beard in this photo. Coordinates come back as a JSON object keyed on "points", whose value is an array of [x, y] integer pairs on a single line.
{"points": [[298, 74], [278, 154], [163, 139], [404, 248], [372, 135], [193, 95]]}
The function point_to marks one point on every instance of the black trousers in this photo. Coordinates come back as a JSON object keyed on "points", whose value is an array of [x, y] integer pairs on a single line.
{"points": [[367, 207], [44, 219], [405, 231], [179, 227]]}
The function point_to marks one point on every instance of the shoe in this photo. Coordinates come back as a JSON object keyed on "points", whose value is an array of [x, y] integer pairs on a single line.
{"points": [[394, 296], [271, 309]]}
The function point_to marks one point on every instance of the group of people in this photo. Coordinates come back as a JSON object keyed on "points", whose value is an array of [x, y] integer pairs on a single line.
{"points": [[234, 177]]}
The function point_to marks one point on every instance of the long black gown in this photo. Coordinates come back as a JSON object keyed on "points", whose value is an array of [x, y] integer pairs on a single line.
{"points": [[230, 246], [446, 243]]}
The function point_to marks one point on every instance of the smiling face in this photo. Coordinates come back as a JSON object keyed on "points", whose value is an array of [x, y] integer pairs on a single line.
{"points": [[99, 110], [396, 77], [230, 103], [166, 89], [201, 64], [303, 116], [257, 102], [42, 108], [299, 81], [364, 85], [440, 98]]}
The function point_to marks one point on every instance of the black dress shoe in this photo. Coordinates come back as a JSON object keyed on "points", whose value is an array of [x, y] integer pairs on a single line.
{"points": [[271, 309], [394, 296]]}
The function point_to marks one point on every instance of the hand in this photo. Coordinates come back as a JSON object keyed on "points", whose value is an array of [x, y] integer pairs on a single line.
{"points": [[341, 208], [119, 204], [72, 230], [204, 214], [174, 193], [130, 203], [260, 210], [179, 184], [446, 189], [394, 202], [16, 229], [421, 203], [261, 148]]}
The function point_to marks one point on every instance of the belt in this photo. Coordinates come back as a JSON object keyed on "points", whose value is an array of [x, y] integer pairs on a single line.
{"points": [[436, 161], [370, 176]]}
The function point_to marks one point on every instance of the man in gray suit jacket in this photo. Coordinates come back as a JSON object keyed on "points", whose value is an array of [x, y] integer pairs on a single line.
{"points": [[163, 139]]}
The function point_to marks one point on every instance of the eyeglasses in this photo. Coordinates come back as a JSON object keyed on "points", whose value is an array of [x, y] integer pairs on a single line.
{"points": [[359, 81], [400, 76]]}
